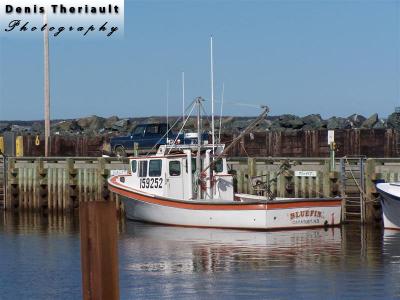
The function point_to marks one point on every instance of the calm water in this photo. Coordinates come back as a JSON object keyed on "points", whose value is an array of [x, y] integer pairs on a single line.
{"points": [[40, 259]]}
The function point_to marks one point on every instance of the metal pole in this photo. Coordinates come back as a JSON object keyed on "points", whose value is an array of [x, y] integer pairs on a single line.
{"points": [[167, 109], [220, 115], [343, 188], [362, 191], [198, 158], [212, 93], [183, 96], [46, 88]]}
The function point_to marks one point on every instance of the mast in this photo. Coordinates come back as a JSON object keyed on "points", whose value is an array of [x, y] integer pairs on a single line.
{"points": [[183, 96], [220, 115], [198, 157], [167, 108], [46, 88], [212, 93]]}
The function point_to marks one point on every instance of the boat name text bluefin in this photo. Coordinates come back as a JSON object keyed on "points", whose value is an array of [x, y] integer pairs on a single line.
{"points": [[305, 213]]}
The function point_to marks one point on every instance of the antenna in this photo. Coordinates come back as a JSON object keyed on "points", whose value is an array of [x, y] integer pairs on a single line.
{"points": [[167, 106], [212, 92], [183, 96], [220, 116]]}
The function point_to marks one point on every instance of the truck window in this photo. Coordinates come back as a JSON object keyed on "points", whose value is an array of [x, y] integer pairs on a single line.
{"points": [[138, 130], [155, 168], [143, 168], [174, 168], [151, 129], [133, 166], [162, 129]]}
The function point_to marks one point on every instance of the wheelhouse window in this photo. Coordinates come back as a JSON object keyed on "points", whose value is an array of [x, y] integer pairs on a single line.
{"points": [[155, 168], [194, 160], [194, 165], [143, 168], [133, 166], [175, 168], [218, 166]]}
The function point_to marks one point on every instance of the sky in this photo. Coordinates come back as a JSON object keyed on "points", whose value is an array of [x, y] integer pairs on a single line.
{"points": [[297, 57]]}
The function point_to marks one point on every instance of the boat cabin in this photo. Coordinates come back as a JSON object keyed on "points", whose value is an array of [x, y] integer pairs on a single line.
{"points": [[172, 173]]}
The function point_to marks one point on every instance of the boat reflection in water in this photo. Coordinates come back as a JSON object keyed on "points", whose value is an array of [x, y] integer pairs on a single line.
{"points": [[42, 254], [391, 247], [214, 250]]}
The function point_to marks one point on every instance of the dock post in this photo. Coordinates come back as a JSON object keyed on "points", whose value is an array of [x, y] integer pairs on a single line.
{"points": [[102, 174], [326, 185], [12, 185], [99, 250], [370, 191], [71, 188], [252, 171], [42, 184]]}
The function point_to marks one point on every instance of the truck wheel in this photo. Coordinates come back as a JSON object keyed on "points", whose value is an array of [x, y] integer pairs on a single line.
{"points": [[120, 151]]}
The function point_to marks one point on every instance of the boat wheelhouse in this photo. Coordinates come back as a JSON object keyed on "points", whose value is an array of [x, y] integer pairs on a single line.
{"points": [[171, 173]]}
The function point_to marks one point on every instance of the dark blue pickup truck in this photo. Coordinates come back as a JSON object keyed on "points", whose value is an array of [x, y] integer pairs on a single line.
{"points": [[147, 136]]}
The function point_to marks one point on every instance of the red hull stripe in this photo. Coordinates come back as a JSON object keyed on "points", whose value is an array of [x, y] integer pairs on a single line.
{"points": [[305, 203], [195, 206], [236, 206]]}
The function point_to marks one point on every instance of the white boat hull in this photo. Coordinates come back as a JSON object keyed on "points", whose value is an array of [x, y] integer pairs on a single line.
{"points": [[390, 200], [251, 213], [296, 217]]}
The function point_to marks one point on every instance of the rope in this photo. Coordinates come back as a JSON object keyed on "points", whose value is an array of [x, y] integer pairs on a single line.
{"points": [[173, 125], [244, 149], [169, 150]]}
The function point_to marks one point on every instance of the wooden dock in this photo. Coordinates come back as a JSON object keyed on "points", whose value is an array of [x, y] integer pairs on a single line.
{"points": [[2, 183], [59, 184]]}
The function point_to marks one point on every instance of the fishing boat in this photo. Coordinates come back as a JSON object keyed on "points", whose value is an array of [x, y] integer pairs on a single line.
{"points": [[390, 200], [189, 185]]}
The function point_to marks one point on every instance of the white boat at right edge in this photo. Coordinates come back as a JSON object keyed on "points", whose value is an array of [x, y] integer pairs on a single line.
{"points": [[390, 200]]}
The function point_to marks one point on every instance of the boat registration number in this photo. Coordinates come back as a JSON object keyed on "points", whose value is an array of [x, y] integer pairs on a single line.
{"points": [[151, 183]]}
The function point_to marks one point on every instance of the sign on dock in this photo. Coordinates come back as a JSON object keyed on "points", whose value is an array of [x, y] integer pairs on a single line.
{"points": [[305, 173]]}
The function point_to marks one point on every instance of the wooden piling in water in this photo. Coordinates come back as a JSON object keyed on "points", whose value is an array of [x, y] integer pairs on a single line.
{"points": [[99, 250]]}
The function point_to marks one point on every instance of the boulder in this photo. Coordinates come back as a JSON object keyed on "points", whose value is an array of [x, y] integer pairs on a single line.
{"points": [[287, 122], [370, 122], [356, 120], [338, 123], [313, 121], [92, 123], [38, 127], [381, 124], [121, 125], [109, 122], [67, 126], [393, 121], [5, 127], [20, 128]]}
